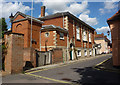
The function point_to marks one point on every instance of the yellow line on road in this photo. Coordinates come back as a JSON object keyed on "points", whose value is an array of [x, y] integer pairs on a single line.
{"points": [[102, 62], [48, 78], [52, 67]]}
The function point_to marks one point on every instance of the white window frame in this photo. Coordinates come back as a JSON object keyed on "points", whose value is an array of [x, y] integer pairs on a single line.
{"points": [[84, 35], [79, 52], [47, 34], [85, 52], [77, 32], [89, 37], [62, 37]]}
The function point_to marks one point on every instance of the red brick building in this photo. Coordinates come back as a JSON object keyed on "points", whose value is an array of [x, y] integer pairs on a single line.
{"points": [[59, 30], [104, 42], [114, 24]]}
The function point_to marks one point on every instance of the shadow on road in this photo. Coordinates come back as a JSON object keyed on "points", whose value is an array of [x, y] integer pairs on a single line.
{"points": [[91, 76]]}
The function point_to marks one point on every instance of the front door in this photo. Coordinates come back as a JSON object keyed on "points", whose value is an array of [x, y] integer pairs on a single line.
{"points": [[71, 52]]}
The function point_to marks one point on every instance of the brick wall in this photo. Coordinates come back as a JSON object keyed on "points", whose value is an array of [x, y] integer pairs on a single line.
{"points": [[29, 55], [24, 27], [14, 58], [115, 33], [54, 21], [57, 55]]}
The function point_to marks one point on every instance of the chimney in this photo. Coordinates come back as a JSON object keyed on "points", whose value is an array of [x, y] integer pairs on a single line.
{"points": [[95, 33], [42, 11]]}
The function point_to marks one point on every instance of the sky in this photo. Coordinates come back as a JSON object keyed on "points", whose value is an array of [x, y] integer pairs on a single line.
{"points": [[91, 12]]}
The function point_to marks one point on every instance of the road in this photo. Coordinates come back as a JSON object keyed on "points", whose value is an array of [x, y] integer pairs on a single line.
{"points": [[79, 72]]}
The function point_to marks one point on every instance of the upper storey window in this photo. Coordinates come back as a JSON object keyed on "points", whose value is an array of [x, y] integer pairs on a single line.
{"points": [[89, 37], [77, 33], [61, 36], [84, 35]]}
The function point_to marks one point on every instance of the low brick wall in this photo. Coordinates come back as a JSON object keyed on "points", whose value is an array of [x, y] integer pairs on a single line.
{"points": [[57, 55]]}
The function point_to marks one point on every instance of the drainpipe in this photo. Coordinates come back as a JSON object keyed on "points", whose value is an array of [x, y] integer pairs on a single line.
{"points": [[67, 47], [31, 25], [63, 28], [63, 19], [40, 39]]}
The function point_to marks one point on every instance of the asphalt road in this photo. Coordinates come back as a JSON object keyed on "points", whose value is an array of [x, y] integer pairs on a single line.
{"points": [[80, 72]]}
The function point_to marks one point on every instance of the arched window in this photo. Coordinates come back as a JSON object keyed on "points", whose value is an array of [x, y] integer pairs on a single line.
{"points": [[18, 26]]}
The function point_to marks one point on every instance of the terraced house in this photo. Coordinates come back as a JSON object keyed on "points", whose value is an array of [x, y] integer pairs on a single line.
{"points": [[60, 30]]}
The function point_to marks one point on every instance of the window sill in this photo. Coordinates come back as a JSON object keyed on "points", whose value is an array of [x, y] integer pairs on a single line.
{"points": [[85, 41], [78, 39], [61, 38], [90, 42]]}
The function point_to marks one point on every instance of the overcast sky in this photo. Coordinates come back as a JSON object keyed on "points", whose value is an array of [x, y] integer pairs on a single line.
{"points": [[93, 13]]}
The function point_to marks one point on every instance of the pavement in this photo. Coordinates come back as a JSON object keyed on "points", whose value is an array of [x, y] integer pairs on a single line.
{"points": [[80, 72], [65, 63], [107, 65]]}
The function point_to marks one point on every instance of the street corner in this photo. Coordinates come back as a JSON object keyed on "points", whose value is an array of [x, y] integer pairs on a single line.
{"points": [[107, 65]]}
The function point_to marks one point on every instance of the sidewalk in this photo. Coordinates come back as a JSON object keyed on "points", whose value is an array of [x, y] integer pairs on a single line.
{"points": [[108, 66], [65, 63]]}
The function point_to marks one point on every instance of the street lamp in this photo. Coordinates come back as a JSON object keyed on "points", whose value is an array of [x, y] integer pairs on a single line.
{"points": [[11, 19], [108, 32]]}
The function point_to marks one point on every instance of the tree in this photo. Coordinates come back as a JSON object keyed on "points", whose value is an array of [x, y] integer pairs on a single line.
{"points": [[3, 28], [4, 24]]}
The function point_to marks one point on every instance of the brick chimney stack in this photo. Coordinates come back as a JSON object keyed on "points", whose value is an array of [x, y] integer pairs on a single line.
{"points": [[42, 11]]}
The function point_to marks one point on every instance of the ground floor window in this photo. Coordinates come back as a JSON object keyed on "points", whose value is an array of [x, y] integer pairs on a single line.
{"points": [[79, 53], [85, 52], [61, 36], [90, 52]]}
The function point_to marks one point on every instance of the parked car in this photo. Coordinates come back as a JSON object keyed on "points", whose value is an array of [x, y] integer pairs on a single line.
{"points": [[103, 53]]}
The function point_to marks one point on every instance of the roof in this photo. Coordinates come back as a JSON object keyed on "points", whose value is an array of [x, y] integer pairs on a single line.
{"points": [[64, 14], [101, 36], [26, 17], [97, 45], [9, 32], [52, 28], [114, 17]]}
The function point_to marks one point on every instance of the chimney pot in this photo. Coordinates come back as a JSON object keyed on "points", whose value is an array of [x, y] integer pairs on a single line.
{"points": [[42, 11]]}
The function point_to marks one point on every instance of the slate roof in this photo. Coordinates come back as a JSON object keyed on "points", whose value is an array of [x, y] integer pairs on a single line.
{"points": [[41, 19], [64, 14], [26, 17], [53, 27]]}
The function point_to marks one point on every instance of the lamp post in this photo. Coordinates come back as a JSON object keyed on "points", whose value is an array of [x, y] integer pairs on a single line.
{"points": [[11, 20], [108, 32]]}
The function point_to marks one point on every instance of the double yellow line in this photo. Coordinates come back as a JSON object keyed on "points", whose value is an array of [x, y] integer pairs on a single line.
{"points": [[55, 80], [100, 64], [48, 78]]}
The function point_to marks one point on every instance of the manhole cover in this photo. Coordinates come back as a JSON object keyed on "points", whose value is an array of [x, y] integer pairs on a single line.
{"points": [[60, 73], [66, 79]]}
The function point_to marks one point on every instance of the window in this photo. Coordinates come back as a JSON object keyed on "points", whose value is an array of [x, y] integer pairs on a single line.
{"points": [[90, 52], [85, 52], [77, 33], [79, 53], [89, 37], [61, 36], [84, 35], [47, 34]]}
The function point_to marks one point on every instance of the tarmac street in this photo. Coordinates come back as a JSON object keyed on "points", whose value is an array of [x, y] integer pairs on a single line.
{"points": [[79, 72]]}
